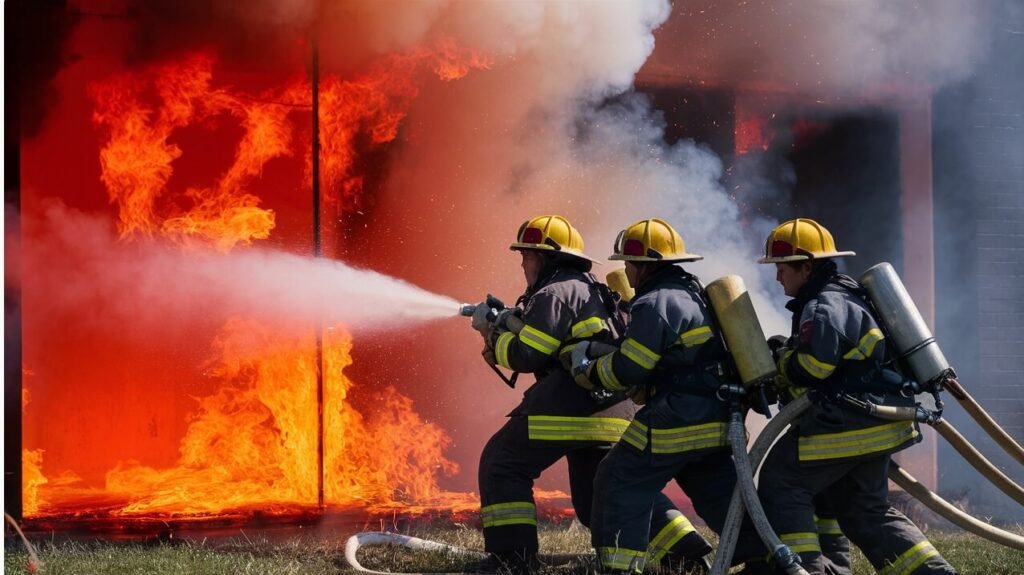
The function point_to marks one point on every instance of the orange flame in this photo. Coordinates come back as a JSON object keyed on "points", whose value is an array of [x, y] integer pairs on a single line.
{"points": [[136, 159], [253, 443]]}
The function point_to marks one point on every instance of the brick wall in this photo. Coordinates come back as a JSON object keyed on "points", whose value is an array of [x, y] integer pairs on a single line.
{"points": [[979, 202]]}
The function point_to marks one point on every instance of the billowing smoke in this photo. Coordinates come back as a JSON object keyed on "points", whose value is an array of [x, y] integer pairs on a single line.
{"points": [[858, 47]]}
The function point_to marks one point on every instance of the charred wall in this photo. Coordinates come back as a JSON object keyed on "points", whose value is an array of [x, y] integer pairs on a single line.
{"points": [[978, 146]]}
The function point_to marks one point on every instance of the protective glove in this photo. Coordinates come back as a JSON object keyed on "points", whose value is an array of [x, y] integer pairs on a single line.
{"points": [[639, 394], [776, 343], [580, 365], [488, 354], [480, 321]]}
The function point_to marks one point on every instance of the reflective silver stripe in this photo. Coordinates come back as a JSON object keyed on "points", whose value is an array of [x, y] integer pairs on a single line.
{"points": [[801, 542], [512, 513], [636, 435], [689, 438], [558, 428], [695, 336], [587, 327], [622, 559], [539, 340], [856, 442], [827, 526], [501, 349], [669, 535], [606, 374], [910, 560], [677, 439], [639, 354], [866, 346]]}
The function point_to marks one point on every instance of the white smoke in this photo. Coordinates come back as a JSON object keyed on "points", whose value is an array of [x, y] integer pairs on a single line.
{"points": [[552, 127], [78, 268]]}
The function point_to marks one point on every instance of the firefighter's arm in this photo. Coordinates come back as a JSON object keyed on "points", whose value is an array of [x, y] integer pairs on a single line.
{"points": [[544, 323], [633, 363], [816, 354]]}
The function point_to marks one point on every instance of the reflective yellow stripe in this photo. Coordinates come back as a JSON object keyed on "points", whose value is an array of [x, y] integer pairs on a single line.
{"points": [[567, 349], [857, 442], [801, 542], [911, 559], [669, 535], [501, 349], [513, 513], [557, 428], [866, 346], [622, 559], [783, 362], [636, 435], [587, 327], [639, 353], [606, 374], [677, 439], [695, 336], [827, 526], [818, 369], [539, 340]]}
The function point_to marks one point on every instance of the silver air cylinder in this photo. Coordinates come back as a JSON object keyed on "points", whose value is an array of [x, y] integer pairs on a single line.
{"points": [[903, 322]]}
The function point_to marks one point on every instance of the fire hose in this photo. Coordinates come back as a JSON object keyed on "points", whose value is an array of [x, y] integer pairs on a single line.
{"points": [[947, 431], [371, 538], [734, 520], [947, 510], [984, 420], [35, 564], [776, 425], [377, 538], [781, 554]]}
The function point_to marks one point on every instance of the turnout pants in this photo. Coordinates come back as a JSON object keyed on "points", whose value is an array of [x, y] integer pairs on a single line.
{"points": [[628, 487], [508, 467], [858, 492]]}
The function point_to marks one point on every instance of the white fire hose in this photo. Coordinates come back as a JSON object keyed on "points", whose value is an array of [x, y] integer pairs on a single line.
{"points": [[377, 538]]}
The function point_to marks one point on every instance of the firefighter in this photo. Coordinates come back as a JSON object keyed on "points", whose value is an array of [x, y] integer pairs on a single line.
{"points": [[672, 361], [564, 305], [833, 455]]}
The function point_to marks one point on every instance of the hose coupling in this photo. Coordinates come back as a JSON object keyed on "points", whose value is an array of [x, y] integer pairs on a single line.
{"points": [[731, 392], [784, 557]]}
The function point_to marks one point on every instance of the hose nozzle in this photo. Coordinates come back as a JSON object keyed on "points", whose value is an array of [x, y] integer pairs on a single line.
{"points": [[467, 309]]}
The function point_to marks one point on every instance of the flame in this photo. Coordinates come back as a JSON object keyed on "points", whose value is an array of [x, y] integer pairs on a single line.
{"points": [[136, 159], [253, 443], [372, 106]]}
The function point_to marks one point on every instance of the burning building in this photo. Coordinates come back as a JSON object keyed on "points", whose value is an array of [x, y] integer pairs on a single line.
{"points": [[171, 159]]}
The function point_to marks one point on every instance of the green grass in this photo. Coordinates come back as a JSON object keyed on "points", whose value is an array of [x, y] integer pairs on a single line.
{"points": [[322, 554]]}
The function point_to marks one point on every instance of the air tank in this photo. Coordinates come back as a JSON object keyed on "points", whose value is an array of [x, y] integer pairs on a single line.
{"points": [[905, 327], [742, 330]]}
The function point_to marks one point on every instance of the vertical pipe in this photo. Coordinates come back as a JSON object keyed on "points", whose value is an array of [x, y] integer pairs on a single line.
{"points": [[12, 293], [318, 252], [919, 253]]}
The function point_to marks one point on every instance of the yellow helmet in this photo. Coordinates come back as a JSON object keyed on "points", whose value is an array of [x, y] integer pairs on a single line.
{"points": [[651, 240], [550, 233], [800, 239]]}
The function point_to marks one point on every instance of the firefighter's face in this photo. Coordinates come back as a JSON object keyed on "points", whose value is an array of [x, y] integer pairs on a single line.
{"points": [[532, 264], [792, 278], [632, 274]]}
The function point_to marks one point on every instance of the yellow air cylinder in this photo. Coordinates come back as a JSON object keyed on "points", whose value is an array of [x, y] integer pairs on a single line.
{"points": [[742, 330], [616, 279]]}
